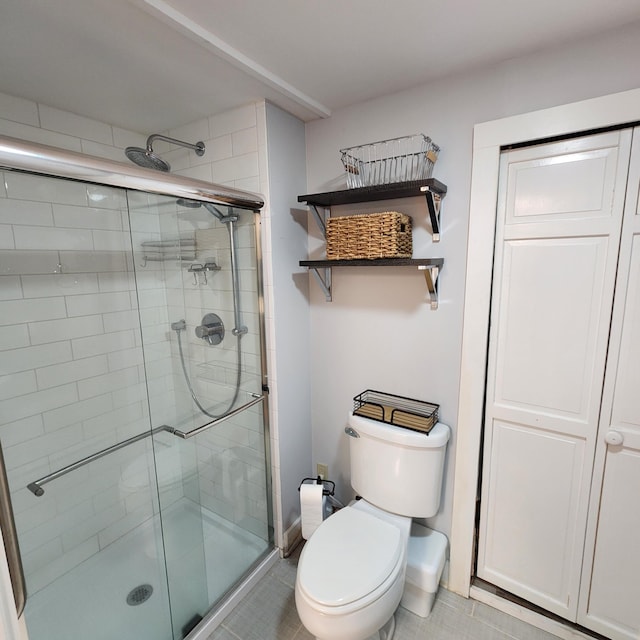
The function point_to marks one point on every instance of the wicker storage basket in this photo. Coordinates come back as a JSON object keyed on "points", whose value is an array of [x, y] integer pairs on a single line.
{"points": [[369, 236]]}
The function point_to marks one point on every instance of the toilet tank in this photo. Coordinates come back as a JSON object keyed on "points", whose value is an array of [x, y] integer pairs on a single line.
{"points": [[397, 469]]}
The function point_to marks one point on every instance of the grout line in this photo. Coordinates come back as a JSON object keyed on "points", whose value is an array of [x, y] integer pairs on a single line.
{"points": [[228, 630]]}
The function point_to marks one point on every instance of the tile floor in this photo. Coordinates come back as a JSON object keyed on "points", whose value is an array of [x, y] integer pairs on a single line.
{"points": [[269, 613]]}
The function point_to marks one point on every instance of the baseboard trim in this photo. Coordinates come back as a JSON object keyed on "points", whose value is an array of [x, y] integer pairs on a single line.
{"points": [[525, 614], [292, 538]]}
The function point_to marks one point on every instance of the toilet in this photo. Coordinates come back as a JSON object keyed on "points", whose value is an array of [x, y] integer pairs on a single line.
{"points": [[361, 562]]}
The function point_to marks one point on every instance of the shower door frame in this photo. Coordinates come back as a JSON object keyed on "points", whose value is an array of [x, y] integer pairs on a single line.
{"points": [[44, 160]]}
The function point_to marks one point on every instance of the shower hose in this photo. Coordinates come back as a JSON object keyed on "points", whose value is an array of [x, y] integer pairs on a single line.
{"points": [[188, 380]]}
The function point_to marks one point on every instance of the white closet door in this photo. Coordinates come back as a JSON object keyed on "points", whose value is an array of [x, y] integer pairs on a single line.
{"points": [[610, 592], [557, 241]]}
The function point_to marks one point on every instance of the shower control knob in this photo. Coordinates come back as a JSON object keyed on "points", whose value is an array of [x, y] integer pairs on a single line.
{"points": [[211, 329], [202, 332]]}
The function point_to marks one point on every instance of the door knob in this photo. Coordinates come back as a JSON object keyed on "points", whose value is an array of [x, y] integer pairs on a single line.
{"points": [[614, 437]]}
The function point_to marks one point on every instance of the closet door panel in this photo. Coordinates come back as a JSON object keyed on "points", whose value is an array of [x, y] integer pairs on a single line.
{"points": [[613, 594], [553, 296], [578, 182], [626, 401], [610, 591], [557, 239], [542, 521]]}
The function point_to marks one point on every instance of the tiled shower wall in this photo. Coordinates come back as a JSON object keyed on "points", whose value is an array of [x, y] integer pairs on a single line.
{"points": [[72, 378], [224, 466], [235, 156], [75, 336]]}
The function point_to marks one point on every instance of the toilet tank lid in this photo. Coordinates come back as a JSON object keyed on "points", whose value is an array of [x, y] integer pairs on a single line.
{"points": [[437, 437]]}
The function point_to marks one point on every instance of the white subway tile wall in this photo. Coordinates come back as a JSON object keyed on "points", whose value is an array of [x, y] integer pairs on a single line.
{"points": [[72, 373], [226, 465], [236, 150], [62, 376]]}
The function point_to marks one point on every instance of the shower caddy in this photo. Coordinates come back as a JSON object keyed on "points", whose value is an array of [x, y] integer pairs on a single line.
{"points": [[320, 204]]}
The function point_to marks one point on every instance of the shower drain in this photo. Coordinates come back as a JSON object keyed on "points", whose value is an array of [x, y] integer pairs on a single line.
{"points": [[139, 594]]}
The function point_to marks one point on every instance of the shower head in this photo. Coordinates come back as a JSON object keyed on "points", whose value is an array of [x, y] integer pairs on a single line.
{"points": [[211, 208], [188, 204], [150, 160], [147, 158]]}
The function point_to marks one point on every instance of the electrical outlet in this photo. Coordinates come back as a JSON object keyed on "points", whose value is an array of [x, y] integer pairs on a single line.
{"points": [[322, 470]]}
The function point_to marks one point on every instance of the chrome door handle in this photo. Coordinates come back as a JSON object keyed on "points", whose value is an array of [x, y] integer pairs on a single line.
{"points": [[185, 435], [10, 537]]}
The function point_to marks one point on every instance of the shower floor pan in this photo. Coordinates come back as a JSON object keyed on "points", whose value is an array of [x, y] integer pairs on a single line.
{"points": [[90, 601]]}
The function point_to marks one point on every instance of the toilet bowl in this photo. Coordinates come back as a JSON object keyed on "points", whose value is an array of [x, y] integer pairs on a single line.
{"points": [[351, 573]]}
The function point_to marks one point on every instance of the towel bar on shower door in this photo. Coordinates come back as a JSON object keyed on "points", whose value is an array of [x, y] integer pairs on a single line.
{"points": [[36, 486]]}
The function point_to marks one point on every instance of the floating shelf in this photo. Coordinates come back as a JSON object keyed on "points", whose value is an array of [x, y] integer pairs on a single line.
{"points": [[433, 191], [429, 266], [371, 194]]}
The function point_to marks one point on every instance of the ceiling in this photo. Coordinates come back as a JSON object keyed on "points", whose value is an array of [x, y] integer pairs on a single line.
{"points": [[151, 65]]}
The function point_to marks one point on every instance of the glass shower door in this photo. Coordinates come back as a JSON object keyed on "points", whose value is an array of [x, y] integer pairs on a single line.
{"points": [[72, 390], [135, 510], [197, 283]]}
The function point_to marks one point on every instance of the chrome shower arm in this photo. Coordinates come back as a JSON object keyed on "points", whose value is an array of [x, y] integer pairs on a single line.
{"points": [[198, 147]]}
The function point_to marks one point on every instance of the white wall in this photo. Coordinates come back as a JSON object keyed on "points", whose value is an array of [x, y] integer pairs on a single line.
{"points": [[290, 370], [379, 331]]}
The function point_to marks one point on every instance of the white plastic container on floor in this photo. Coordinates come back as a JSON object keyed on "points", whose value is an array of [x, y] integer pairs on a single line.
{"points": [[426, 555]]}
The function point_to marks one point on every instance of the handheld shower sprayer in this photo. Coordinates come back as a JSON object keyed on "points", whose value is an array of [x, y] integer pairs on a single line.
{"points": [[149, 159], [211, 330], [229, 219]]}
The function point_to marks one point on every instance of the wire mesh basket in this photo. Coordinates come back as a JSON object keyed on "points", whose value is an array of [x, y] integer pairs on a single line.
{"points": [[397, 410], [402, 159]]}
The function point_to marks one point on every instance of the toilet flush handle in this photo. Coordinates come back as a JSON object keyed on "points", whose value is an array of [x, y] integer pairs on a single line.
{"points": [[351, 432]]}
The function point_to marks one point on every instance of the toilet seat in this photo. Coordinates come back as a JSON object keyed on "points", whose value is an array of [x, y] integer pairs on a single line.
{"points": [[350, 561]]}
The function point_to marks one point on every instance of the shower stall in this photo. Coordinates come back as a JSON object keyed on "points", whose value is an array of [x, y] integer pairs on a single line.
{"points": [[135, 488]]}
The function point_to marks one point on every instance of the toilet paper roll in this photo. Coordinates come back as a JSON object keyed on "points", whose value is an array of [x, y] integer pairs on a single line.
{"points": [[312, 508]]}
